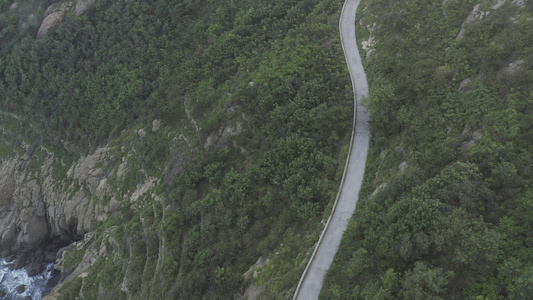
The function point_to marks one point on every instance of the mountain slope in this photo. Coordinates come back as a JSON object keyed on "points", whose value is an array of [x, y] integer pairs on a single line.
{"points": [[172, 144], [445, 209]]}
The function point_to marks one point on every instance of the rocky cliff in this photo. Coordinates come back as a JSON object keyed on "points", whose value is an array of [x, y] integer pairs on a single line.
{"points": [[41, 209], [40, 214], [48, 207]]}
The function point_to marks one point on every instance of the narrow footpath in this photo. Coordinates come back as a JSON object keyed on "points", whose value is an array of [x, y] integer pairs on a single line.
{"points": [[328, 244]]}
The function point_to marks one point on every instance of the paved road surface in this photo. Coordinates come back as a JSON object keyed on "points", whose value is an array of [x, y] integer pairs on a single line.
{"points": [[311, 281]]}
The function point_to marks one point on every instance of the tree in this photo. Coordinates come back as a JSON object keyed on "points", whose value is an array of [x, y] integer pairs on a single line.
{"points": [[425, 283]]}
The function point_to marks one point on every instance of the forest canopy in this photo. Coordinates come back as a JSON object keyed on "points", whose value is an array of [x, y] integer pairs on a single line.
{"points": [[448, 196]]}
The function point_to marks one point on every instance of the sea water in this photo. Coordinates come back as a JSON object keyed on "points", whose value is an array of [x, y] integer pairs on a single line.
{"points": [[11, 279]]}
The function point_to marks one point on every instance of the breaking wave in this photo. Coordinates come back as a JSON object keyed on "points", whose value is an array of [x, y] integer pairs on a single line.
{"points": [[16, 284]]}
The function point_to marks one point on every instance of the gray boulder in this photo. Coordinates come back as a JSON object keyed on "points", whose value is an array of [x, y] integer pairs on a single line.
{"points": [[34, 268], [21, 289], [21, 261]]}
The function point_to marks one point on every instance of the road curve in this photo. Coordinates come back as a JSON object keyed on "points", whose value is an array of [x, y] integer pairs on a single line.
{"points": [[328, 244]]}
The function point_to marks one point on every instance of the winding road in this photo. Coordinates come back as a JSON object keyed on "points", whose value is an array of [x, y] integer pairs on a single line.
{"points": [[328, 244]]}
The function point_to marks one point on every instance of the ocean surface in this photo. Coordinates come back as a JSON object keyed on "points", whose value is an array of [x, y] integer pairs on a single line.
{"points": [[10, 280]]}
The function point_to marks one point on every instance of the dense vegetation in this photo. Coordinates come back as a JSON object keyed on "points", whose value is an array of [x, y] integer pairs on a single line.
{"points": [[446, 210], [256, 108]]}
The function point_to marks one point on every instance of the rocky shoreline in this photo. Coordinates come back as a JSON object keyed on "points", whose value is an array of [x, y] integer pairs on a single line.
{"points": [[19, 284], [34, 261], [42, 216]]}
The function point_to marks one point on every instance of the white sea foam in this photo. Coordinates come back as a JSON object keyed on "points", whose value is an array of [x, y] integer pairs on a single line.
{"points": [[11, 279]]}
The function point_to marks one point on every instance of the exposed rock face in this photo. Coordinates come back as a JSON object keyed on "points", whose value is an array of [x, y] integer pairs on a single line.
{"points": [[463, 86], [513, 66], [55, 13], [53, 19], [253, 291], [156, 124], [369, 45], [476, 13], [223, 135], [36, 209]]}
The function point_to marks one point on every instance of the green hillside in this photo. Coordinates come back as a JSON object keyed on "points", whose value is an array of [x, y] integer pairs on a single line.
{"points": [[446, 210], [190, 149], [203, 135]]}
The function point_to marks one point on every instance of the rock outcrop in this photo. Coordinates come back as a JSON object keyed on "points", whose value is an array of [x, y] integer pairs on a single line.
{"points": [[54, 14], [49, 207], [40, 214]]}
